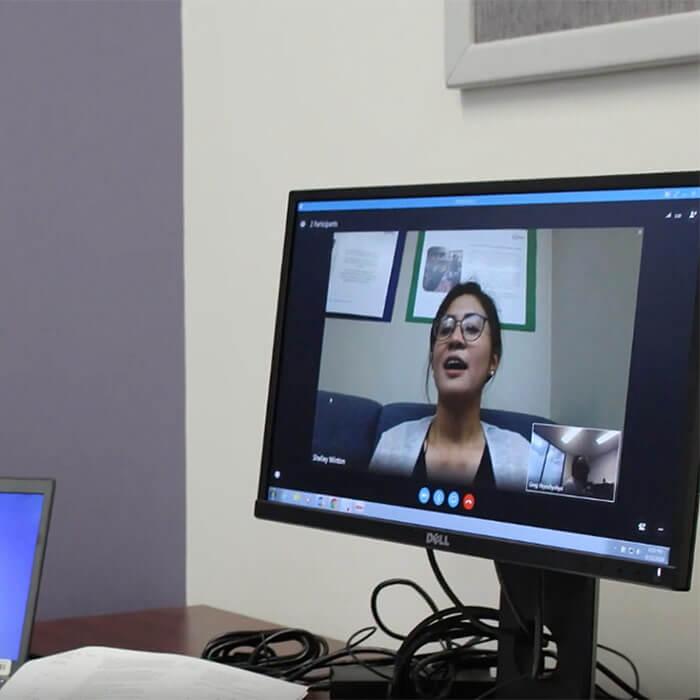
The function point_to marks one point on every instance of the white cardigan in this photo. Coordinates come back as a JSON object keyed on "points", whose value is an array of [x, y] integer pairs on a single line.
{"points": [[399, 447]]}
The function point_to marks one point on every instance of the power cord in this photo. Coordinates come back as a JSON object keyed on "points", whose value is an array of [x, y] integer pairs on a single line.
{"points": [[309, 664], [388, 583], [459, 631], [368, 632], [628, 660], [535, 632], [258, 650]]}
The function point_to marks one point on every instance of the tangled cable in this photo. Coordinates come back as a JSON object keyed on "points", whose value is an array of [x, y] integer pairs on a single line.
{"points": [[297, 655], [309, 662]]}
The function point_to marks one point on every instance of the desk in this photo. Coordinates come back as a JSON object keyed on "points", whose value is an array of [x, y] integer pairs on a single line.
{"points": [[172, 630]]}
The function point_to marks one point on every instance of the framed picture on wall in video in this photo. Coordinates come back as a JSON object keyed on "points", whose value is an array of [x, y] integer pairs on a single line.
{"points": [[502, 261], [364, 274]]}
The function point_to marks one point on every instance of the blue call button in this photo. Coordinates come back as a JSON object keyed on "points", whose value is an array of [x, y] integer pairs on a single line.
{"points": [[424, 495]]}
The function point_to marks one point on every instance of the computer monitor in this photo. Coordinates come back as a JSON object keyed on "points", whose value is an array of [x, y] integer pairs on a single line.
{"points": [[562, 313]]}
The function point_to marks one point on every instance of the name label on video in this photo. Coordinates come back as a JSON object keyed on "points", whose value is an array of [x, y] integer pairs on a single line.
{"points": [[327, 459], [534, 486]]}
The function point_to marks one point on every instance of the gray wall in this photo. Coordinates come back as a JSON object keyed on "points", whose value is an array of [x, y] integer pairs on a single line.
{"points": [[91, 292], [594, 296], [388, 361]]}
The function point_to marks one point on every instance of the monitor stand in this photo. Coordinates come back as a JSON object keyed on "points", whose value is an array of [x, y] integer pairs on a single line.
{"points": [[570, 614]]}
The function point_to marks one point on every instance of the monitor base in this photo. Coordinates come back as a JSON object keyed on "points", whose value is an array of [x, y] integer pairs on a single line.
{"points": [[358, 683]]}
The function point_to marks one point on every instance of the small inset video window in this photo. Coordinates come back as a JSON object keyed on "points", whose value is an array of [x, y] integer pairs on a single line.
{"points": [[566, 460]]}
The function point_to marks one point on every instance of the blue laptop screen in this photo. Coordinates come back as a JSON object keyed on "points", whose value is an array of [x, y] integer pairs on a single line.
{"points": [[20, 519]]}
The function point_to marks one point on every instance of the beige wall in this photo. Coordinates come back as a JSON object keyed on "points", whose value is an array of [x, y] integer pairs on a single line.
{"points": [[282, 95], [594, 271]]}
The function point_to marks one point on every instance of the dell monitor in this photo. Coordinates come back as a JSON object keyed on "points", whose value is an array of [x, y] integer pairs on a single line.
{"points": [[502, 369]]}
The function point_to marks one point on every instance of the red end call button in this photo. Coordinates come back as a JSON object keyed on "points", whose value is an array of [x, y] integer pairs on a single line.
{"points": [[468, 502]]}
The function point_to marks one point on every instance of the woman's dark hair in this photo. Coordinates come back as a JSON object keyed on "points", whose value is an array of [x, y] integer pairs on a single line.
{"points": [[472, 289]]}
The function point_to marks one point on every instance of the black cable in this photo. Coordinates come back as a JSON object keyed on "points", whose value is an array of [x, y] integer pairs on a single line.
{"points": [[451, 660], [350, 644], [604, 694], [506, 594], [618, 681], [535, 632], [451, 625], [544, 638], [311, 664], [367, 631], [441, 579], [253, 650], [351, 649], [538, 624], [460, 630], [396, 582], [327, 662], [628, 660], [488, 631]]}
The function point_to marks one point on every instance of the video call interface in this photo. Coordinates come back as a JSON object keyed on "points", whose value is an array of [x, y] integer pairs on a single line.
{"points": [[380, 359]]}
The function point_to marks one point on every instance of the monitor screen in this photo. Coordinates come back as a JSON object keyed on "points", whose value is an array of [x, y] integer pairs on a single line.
{"points": [[503, 369]]}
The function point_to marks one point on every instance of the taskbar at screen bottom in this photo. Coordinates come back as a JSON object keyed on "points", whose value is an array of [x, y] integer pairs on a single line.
{"points": [[560, 539]]}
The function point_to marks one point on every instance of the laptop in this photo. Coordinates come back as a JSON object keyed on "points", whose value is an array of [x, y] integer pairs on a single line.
{"points": [[25, 510]]}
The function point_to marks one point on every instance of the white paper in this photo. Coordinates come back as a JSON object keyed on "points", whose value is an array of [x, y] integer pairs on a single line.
{"points": [[361, 265], [496, 259], [100, 673]]}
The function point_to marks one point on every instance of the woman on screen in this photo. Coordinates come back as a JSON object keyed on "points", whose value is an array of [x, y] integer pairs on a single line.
{"points": [[454, 445]]}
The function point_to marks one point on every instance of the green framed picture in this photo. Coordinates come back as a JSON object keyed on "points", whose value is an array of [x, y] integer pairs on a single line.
{"points": [[502, 261]]}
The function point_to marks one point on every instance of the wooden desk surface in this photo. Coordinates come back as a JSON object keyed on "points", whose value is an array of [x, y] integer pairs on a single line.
{"points": [[182, 630], [172, 630]]}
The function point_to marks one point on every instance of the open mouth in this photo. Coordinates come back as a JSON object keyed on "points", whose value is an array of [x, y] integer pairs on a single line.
{"points": [[455, 364]]}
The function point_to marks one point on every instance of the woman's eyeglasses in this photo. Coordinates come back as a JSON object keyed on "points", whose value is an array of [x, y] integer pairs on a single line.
{"points": [[471, 325]]}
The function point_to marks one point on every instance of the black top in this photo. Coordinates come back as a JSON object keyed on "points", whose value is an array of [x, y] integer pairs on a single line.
{"points": [[483, 479]]}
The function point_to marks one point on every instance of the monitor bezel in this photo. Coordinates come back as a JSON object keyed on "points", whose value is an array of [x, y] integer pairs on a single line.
{"points": [[684, 531]]}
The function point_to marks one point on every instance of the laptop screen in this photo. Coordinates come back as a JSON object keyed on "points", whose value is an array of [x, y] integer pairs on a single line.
{"points": [[24, 514]]}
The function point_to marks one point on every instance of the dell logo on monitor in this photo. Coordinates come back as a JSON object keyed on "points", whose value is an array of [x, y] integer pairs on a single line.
{"points": [[437, 538]]}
